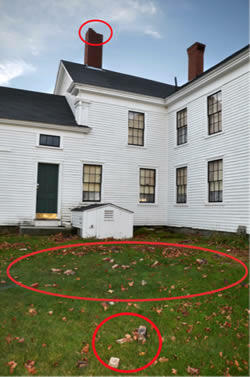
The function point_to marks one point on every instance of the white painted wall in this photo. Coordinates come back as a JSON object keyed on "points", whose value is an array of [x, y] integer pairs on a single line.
{"points": [[106, 144], [232, 145]]}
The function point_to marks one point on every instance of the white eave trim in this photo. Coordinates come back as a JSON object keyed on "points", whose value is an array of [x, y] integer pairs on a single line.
{"points": [[24, 123], [210, 76], [76, 88]]}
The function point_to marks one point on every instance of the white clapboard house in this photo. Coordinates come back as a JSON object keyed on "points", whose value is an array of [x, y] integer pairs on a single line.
{"points": [[174, 156]]}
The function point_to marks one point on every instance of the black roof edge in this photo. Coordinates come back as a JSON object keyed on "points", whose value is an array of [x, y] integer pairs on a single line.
{"points": [[214, 67]]}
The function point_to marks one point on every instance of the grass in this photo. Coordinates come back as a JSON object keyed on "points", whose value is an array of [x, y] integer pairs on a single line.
{"points": [[48, 335]]}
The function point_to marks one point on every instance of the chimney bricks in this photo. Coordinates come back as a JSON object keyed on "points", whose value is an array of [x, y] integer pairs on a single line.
{"points": [[195, 60], [93, 54]]}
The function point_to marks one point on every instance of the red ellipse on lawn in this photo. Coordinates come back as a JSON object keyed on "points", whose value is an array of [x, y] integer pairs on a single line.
{"points": [[127, 370], [95, 44], [127, 243]]}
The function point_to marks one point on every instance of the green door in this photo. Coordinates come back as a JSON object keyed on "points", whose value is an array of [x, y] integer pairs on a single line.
{"points": [[47, 190]]}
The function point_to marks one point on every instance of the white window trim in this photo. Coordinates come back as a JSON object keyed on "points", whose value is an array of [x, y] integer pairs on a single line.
{"points": [[156, 168], [48, 146], [180, 205], [138, 110], [180, 145], [206, 202], [206, 134], [91, 162]]}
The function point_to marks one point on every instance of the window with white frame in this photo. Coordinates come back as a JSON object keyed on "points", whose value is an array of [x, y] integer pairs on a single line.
{"points": [[181, 185], [92, 181], [215, 181], [181, 125], [49, 140], [214, 113], [147, 185], [135, 128]]}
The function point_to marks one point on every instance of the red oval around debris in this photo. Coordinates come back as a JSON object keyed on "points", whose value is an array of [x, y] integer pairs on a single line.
{"points": [[131, 243], [127, 370]]}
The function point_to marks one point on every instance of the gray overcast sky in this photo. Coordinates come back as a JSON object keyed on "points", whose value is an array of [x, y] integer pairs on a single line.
{"points": [[150, 36]]}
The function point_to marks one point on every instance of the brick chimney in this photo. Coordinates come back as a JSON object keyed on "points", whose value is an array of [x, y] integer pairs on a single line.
{"points": [[93, 54], [195, 60]]}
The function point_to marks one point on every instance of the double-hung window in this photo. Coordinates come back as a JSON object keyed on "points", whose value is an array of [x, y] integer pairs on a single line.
{"points": [[92, 180], [181, 125], [181, 185], [215, 181], [214, 113], [147, 185], [136, 128]]}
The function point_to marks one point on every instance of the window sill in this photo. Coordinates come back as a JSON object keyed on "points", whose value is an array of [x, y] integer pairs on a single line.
{"points": [[213, 135], [180, 205], [181, 145], [214, 204], [148, 204], [49, 147], [136, 146]]}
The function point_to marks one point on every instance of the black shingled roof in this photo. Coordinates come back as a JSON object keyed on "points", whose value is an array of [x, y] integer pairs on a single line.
{"points": [[83, 74], [19, 104], [91, 206]]}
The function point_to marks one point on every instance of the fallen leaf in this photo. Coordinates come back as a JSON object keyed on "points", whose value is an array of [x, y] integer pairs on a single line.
{"points": [[193, 371], [55, 269], [236, 363], [50, 312], [220, 353], [163, 359], [85, 349], [64, 319], [69, 272], [109, 347], [44, 345], [174, 371], [32, 311], [35, 285], [173, 338], [12, 364], [131, 283], [105, 306], [110, 291], [29, 365], [142, 353], [8, 339]]}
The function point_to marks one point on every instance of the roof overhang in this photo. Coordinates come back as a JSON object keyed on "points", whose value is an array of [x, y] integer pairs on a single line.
{"points": [[24, 123], [77, 88]]}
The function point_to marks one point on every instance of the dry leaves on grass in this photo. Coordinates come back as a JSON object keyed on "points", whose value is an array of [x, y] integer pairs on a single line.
{"points": [[29, 365], [163, 359], [105, 306], [193, 371], [85, 349], [12, 364], [32, 311], [174, 371]]}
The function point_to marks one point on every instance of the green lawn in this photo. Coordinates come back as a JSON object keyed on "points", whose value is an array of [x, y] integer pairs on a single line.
{"points": [[47, 335]]}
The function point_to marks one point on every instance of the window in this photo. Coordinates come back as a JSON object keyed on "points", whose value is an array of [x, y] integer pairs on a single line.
{"points": [[215, 181], [135, 128], [181, 127], [214, 113], [92, 179], [181, 185], [147, 185], [49, 140]]}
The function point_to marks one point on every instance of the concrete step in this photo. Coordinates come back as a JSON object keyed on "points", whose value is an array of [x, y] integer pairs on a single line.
{"points": [[47, 222], [44, 230]]}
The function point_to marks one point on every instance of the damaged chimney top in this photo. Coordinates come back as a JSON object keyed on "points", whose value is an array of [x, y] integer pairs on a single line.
{"points": [[195, 60], [93, 54]]}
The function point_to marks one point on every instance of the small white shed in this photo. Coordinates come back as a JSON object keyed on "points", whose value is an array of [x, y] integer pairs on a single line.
{"points": [[103, 221]]}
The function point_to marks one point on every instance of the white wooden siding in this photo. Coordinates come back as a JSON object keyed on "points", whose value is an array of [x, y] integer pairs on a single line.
{"points": [[232, 145]]}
